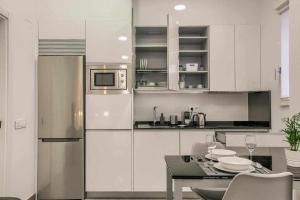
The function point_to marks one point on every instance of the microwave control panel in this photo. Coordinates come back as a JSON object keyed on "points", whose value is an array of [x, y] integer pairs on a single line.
{"points": [[122, 79]]}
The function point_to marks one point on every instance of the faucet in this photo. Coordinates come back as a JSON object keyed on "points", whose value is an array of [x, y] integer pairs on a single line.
{"points": [[154, 115]]}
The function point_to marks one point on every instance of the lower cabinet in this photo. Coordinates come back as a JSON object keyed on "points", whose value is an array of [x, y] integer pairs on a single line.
{"points": [[189, 138], [150, 148], [108, 160]]}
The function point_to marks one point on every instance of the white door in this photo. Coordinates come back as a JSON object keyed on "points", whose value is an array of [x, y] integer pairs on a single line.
{"points": [[3, 76], [150, 148], [247, 57], [103, 42], [222, 69], [173, 49], [108, 160]]}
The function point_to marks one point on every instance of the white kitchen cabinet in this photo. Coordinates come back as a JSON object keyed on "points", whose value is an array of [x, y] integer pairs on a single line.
{"points": [[189, 138], [62, 29], [150, 148], [247, 57], [173, 53], [263, 139], [222, 68], [108, 160], [109, 111], [102, 41]]}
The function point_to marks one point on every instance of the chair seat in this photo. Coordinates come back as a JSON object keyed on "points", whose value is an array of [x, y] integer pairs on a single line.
{"points": [[210, 193]]}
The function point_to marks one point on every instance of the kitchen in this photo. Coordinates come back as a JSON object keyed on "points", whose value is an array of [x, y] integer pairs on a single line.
{"points": [[157, 77]]}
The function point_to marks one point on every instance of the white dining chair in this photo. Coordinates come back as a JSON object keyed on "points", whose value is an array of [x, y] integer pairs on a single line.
{"points": [[208, 193], [250, 186]]}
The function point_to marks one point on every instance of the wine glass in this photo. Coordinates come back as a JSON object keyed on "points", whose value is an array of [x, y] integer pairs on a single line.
{"points": [[211, 143], [250, 142]]}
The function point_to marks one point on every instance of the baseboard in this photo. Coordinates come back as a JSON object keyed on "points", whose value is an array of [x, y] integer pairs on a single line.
{"points": [[135, 195], [32, 197]]}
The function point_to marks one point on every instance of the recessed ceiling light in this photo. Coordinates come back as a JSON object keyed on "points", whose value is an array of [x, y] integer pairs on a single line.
{"points": [[124, 57], [180, 7], [122, 38]]}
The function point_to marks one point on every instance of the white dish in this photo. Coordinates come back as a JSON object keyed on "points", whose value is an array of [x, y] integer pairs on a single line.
{"points": [[220, 167], [207, 156], [235, 163], [222, 152]]}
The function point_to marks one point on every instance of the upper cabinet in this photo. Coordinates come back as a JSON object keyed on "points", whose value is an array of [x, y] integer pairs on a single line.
{"points": [[109, 32], [62, 29], [222, 68], [247, 57], [151, 61], [108, 41], [235, 58]]}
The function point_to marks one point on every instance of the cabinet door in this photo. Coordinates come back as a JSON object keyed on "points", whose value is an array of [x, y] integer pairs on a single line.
{"points": [[108, 160], [150, 148], [62, 29], [189, 138], [173, 49], [103, 44], [247, 57], [222, 69]]}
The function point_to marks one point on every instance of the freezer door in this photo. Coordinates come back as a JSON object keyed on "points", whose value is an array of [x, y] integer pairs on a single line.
{"points": [[60, 169], [60, 96]]}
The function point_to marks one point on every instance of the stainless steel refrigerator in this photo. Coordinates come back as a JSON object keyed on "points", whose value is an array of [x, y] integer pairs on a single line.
{"points": [[60, 127]]}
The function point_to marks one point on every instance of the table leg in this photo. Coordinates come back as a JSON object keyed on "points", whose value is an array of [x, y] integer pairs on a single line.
{"points": [[177, 190], [169, 186]]}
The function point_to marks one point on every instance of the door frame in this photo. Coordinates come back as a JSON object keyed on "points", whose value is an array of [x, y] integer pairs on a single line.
{"points": [[4, 39]]}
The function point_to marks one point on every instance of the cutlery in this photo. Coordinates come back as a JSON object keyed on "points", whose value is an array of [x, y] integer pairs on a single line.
{"points": [[260, 168]]}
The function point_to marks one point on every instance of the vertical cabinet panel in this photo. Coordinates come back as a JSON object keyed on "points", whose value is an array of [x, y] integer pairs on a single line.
{"points": [[247, 57], [190, 138], [150, 148], [108, 160], [222, 69], [173, 59], [102, 43]]}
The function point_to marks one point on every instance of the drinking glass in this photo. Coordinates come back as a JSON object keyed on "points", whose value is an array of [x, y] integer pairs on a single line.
{"points": [[211, 144], [250, 142]]}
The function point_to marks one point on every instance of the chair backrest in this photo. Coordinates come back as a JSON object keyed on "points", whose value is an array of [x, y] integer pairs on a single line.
{"points": [[202, 148], [249, 186]]}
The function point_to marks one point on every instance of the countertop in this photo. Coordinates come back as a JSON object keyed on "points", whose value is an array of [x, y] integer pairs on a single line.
{"points": [[209, 125]]}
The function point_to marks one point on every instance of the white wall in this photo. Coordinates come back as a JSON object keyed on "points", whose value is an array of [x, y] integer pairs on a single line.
{"points": [[20, 163], [294, 55], [219, 107], [270, 59]]}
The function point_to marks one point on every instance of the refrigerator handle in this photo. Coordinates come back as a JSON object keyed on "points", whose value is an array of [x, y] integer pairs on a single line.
{"points": [[61, 139]]}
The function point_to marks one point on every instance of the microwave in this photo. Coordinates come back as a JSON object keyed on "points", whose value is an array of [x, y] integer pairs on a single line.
{"points": [[108, 79]]}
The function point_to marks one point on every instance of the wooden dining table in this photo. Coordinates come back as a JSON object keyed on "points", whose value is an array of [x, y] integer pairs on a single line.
{"points": [[194, 171]]}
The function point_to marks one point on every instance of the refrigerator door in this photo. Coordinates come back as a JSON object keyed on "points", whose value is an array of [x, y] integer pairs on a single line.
{"points": [[60, 96], [60, 169]]}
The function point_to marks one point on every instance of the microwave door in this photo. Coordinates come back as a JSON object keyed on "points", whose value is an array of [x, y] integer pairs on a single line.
{"points": [[104, 79]]}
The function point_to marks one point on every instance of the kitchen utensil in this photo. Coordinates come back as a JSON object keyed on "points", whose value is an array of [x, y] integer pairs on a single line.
{"points": [[185, 117], [151, 84], [235, 163], [199, 119], [200, 86], [181, 84], [173, 119], [191, 67]]}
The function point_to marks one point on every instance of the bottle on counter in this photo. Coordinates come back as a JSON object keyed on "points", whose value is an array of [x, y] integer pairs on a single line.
{"points": [[162, 119]]}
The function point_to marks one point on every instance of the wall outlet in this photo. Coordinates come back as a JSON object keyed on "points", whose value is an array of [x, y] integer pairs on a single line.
{"points": [[194, 108]]}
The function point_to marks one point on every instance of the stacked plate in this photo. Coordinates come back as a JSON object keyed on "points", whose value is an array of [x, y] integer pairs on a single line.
{"points": [[219, 153], [234, 164]]}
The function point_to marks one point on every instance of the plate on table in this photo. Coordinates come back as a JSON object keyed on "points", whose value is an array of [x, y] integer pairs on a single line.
{"points": [[218, 153], [220, 167], [207, 156], [235, 163]]}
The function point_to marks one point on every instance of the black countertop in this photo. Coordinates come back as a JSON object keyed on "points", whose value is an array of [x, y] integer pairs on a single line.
{"points": [[209, 125]]}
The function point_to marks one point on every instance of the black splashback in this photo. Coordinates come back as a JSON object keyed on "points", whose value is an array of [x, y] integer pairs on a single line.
{"points": [[259, 106]]}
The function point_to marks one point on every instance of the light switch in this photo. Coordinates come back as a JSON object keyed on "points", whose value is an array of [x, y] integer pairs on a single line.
{"points": [[20, 124]]}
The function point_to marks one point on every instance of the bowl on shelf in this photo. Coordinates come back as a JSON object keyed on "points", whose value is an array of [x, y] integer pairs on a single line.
{"points": [[151, 84]]}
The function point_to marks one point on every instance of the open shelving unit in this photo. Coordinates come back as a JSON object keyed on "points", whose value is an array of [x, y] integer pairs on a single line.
{"points": [[151, 53], [194, 48]]}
